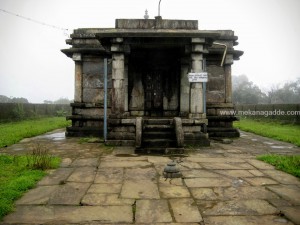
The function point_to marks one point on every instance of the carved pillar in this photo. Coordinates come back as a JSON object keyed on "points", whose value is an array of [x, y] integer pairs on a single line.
{"points": [[184, 88], [228, 80], [196, 99], [78, 78], [126, 84], [119, 78]]}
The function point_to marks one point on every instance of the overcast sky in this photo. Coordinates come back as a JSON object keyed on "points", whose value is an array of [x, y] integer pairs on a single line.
{"points": [[32, 66]]}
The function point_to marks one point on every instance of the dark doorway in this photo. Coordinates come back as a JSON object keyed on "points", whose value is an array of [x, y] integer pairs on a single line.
{"points": [[153, 84], [159, 71]]}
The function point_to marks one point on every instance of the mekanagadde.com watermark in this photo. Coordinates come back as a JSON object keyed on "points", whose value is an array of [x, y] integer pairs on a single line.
{"points": [[265, 113]]}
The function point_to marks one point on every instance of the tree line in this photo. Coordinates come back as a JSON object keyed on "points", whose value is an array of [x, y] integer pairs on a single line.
{"points": [[5, 99], [245, 91]]}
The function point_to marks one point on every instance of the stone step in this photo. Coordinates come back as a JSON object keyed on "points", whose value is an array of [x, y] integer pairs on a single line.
{"points": [[120, 142], [158, 135], [159, 150], [162, 143], [150, 150], [157, 127], [158, 121]]}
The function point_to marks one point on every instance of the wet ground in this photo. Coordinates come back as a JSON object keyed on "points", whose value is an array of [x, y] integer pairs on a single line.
{"points": [[221, 184]]}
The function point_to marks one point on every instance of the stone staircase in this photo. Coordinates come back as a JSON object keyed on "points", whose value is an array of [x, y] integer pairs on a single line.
{"points": [[159, 136]]}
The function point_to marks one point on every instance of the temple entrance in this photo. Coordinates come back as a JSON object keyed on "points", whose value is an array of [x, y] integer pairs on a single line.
{"points": [[153, 93], [154, 81]]}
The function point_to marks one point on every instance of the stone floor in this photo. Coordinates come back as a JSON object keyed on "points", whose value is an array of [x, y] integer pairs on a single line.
{"points": [[222, 184]]}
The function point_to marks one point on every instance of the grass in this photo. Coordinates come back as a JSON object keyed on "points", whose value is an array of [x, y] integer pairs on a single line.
{"points": [[13, 132], [289, 164], [17, 175], [282, 132]]}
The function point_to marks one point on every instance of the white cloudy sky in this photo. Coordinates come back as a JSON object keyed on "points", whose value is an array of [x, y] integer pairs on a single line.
{"points": [[32, 66]]}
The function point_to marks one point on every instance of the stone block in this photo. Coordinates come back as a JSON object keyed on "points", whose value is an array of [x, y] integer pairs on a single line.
{"points": [[105, 199], [68, 194], [83, 174], [208, 182], [140, 189], [249, 207], [288, 192], [185, 210], [105, 188], [109, 175], [57, 177], [246, 220], [198, 40], [152, 211], [38, 196]]}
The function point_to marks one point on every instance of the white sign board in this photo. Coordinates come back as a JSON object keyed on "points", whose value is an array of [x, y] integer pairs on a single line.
{"points": [[198, 77]]}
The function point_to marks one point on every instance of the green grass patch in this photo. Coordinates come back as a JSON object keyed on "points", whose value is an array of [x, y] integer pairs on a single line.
{"points": [[17, 175], [289, 164], [13, 132], [282, 132]]}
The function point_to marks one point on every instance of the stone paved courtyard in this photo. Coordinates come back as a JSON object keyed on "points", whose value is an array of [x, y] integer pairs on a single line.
{"points": [[222, 184]]}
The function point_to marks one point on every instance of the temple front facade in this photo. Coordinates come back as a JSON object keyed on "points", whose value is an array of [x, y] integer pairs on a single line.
{"points": [[168, 83]]}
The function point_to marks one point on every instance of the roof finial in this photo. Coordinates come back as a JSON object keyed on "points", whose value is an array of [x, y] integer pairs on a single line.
{"points": [[146, 15], [159, 8]]}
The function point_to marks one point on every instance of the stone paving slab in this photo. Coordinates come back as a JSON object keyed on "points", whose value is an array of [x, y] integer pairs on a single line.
{"points": [[246, 220], [208, 182], [68, 194], [105, 188], [83, 174], [70, 214], [174, 192], [58, 176], [105, 199], [87, 162], [37, 196], [259, 181], [241, 207], [288, 192], [140, 189], [185, 210], [292, 213], [282, 177], [152, 211], [109, 175], [227, 166]]}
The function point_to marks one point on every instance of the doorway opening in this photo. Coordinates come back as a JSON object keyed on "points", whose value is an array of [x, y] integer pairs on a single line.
{"points": [[155, 73]]}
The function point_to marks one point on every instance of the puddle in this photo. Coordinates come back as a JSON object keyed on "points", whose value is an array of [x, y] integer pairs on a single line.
{"points": [[127, 155], [268, 143], [54, 136], [280, 147]]}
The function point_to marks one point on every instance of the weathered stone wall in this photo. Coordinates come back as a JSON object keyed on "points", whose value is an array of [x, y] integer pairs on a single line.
{"points": [[156, 23], [291, 112], [11, 111], [93, 81], [215, 87]]}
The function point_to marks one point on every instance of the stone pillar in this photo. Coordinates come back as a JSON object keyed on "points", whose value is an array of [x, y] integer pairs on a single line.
{"points": [[126, 84], [78, 78], [228, 79], [196, 99], [184, 88], [119, 86]]}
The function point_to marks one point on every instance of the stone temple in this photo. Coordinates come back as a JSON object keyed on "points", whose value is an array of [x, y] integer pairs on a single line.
{"points": [[151, 102]]}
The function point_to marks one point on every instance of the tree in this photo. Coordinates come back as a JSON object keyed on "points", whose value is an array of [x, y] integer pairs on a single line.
{"points": [[287, 93], [62, 101], [245, 92], [5, 99]]}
